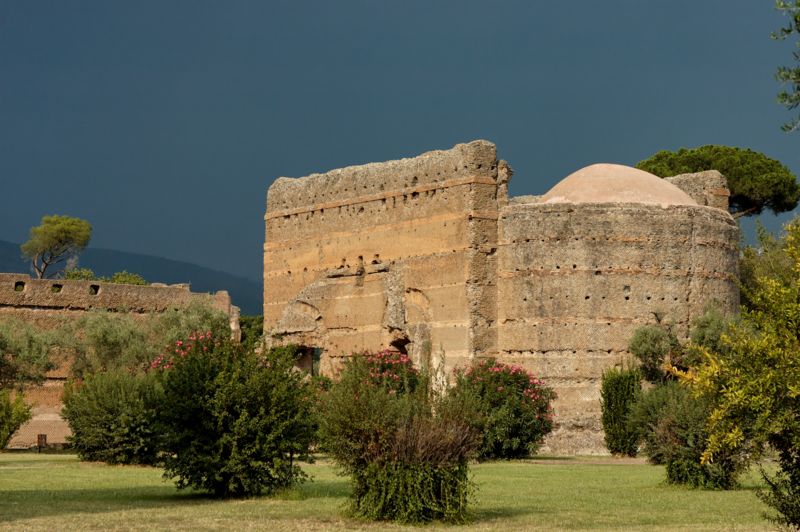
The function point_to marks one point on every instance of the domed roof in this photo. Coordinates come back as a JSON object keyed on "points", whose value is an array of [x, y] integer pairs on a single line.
{"points": [[615, 183]]}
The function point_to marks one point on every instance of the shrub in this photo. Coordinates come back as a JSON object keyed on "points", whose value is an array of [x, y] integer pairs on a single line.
{"points": [[233, 423], [653, 345], [252, 328], [671, 423], [13, 414], [123, 277], [511, 408], [112, 417], [619, 391], [405, 451]]}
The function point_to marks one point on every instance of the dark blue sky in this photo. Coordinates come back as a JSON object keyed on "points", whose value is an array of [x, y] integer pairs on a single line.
{"points": [[164, 122]]}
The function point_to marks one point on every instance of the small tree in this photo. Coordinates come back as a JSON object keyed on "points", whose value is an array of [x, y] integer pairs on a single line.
{"points": [[55, 240], [13, 414], [754, 382], [24, 354], [756, 182], [654, 345]]}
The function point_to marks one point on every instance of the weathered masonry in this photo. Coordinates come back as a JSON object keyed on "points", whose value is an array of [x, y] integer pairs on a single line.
{"points": [[47, 303], [429, 256]]}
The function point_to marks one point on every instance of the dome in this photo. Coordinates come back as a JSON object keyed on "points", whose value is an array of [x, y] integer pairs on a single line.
{"points": [[615, 183]]}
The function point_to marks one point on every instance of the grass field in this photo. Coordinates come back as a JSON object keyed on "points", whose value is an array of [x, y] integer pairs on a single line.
{"points": [[57, 492]]}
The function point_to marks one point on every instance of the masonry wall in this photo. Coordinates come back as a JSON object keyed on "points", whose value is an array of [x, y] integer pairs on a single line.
{"points": [[399, 253], [48, 303], [575, 281]]}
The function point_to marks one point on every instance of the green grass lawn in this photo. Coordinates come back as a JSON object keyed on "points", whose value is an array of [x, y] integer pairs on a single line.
{"points": [[57, 492]]}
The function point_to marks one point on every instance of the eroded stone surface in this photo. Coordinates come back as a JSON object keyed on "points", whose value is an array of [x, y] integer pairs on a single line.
{"points": [[428, 256]]}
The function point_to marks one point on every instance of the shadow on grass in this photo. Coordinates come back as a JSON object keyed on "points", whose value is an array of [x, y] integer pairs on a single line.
{"points": [[19, 504], [36, 503]]}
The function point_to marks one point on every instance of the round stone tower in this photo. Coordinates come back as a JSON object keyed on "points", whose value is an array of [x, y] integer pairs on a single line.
{"points": [[608, 249]]}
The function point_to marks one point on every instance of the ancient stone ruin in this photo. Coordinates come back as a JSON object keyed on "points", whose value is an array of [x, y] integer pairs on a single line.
{"points": [[429, 256], [48, 303]]}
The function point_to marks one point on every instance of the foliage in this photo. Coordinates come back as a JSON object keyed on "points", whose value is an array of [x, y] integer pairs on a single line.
{"points": [[671, 425], [405, 451], [233, 423], [112, 417], [511, 408], [24, 353], [252, 328], [755, 380], [117, 341], [123, 277], [80, 274], [767, 259], [55, 240], [756, 182], [654, 346], [790, 98], [13, 414], [619, 391]]}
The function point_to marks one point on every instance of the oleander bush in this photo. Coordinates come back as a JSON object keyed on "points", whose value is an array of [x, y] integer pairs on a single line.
{"points": [[509, 406], [233, 423], [619, 391], [112, 417], [405, 450]]}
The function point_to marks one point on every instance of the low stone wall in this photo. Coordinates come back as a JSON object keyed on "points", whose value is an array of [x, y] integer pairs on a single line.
{"points": [[47, 303]]}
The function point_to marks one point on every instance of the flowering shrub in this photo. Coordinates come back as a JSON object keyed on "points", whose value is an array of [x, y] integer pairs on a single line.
{"points": [[392, 370], [511, 407], [197, 340], [233, 423], [406, 453]]}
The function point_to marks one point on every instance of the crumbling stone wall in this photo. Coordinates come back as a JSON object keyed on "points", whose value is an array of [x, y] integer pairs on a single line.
{"points": [[429, 256], [47, 303], [397, 254]]}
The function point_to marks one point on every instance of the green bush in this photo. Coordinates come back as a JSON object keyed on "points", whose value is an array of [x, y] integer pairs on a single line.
{"points": [[252, 328], [123, 277], [511, 408], [671, 423], [112, 417], [619, 391], [232, 423], [654, 345], [406, 451], [13, 414]]}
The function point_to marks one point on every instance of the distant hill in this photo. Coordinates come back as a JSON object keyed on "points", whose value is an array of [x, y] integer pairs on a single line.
{"points": [[245, 293]]}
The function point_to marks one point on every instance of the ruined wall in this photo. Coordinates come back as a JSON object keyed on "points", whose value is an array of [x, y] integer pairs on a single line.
{"points": [[47, 303], [428, 255], [575, 281], [706, 188], [398, 253]]}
